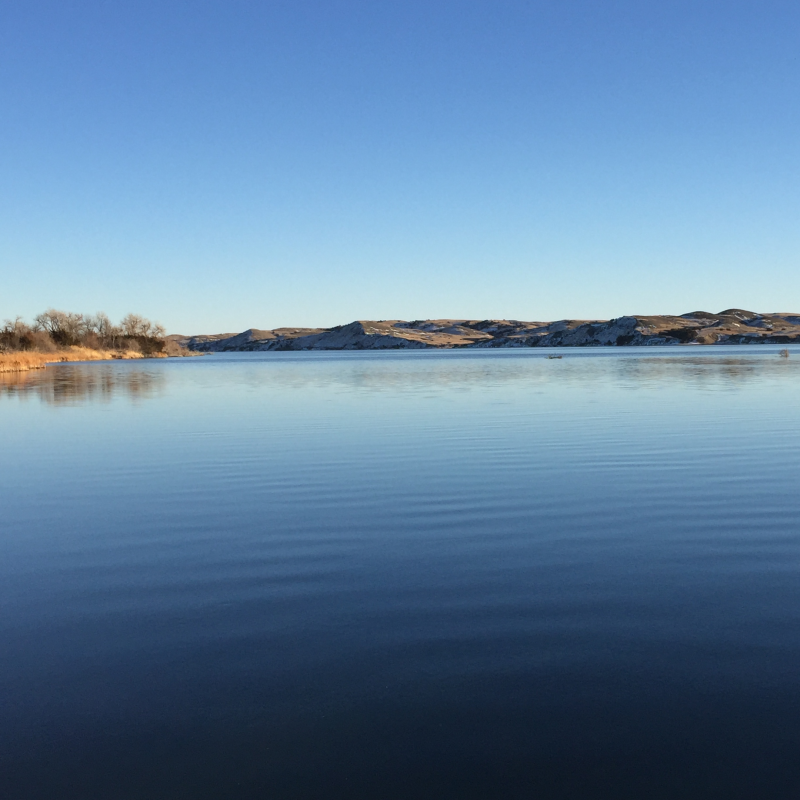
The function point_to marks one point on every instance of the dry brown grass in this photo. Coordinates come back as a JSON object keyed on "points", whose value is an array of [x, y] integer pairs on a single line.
{"points": [[23, 361]]}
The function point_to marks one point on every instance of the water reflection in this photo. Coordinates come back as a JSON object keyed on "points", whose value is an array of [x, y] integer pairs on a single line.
{"points": [[412, 373], [704, 372], [68, 384], [422, 372]]}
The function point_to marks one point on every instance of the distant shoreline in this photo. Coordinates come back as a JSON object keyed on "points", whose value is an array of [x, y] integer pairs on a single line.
{"points": [[732, 326]]}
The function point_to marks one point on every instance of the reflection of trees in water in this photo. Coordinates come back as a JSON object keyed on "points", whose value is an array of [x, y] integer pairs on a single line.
{"points": [[74, 383]]}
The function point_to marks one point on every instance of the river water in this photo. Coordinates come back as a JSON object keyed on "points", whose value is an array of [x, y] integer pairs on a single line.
{"points": [[446, 574]]}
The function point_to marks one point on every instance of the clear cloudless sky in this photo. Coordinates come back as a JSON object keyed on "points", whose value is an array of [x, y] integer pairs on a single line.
{"points": [[217, 165]]}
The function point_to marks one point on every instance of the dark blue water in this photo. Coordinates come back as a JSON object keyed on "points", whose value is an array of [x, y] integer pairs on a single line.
{"points": [[403, 575]]}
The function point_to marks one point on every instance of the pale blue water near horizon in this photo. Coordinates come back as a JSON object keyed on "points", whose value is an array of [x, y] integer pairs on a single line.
{"points": [[466, 574]]}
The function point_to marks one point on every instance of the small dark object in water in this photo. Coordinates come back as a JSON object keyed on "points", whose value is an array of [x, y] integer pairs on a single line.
{"points": [[784, 354], [555, 356]]}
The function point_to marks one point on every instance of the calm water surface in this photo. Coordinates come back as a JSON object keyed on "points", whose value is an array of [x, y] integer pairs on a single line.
{"points": [[403, 575]]}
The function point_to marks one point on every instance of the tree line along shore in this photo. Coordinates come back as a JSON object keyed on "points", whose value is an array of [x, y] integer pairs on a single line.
{"points": [[56, 336]]}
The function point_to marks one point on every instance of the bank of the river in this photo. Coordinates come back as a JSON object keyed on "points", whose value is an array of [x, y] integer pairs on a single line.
{"points": [[22, 361]]}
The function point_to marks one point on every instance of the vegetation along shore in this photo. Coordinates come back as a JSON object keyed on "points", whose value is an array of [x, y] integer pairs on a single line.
{"points": [[56, 336]]}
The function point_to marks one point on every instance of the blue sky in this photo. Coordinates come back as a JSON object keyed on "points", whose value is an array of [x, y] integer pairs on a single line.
{"points": [[222, 165]]}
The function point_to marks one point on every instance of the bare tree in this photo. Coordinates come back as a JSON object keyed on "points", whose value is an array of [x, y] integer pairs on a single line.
{"points": [[107, 333], [64, 327], [135, 325]]}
